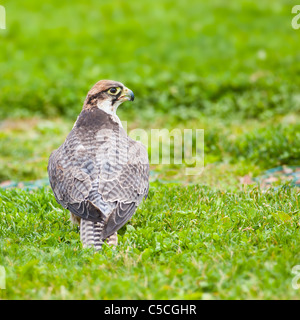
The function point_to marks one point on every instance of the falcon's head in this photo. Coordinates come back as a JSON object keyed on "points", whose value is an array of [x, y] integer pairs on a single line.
{"points": [[107, 95]]}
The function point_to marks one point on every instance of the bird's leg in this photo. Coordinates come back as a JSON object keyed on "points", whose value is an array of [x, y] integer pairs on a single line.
{"points": [[112, 240], [90, 234]]}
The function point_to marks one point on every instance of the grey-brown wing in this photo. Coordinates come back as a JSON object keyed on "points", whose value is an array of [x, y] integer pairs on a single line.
{"points": [[72, 174], [125, 181], [101, 177]]}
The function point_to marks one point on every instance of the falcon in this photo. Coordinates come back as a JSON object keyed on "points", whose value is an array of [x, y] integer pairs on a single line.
{"points": [[100, 174]]}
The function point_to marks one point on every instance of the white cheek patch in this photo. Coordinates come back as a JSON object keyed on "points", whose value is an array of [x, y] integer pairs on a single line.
{"points": [[107, 107]]}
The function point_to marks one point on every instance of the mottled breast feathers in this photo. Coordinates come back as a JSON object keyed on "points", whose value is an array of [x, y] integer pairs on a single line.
{"points": [[99, 173]]}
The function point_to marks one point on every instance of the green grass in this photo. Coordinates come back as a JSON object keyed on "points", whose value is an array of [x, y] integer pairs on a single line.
{"points": [[231, 69], [244, 148], [195, 64], [183, 243], [206, 57]]}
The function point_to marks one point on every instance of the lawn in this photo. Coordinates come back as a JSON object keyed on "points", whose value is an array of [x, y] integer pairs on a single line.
{"points": [[231, 69], [183, 243]]}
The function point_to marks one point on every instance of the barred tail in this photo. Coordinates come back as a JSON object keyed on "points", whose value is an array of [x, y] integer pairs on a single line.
{"points": [[90, 234]]}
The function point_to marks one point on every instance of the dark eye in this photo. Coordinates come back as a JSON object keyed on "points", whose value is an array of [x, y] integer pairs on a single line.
{"points": [[114, 90]]}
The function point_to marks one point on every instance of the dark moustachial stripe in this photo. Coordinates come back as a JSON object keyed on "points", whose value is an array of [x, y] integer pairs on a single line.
{"points": [[116, 98], [92, 100]]}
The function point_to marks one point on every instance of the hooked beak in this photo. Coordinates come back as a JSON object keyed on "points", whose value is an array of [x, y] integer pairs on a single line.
{"points": [[127, 95]]}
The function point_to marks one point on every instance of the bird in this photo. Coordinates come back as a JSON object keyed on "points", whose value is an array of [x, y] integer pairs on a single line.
{"points": [[99, 173]]}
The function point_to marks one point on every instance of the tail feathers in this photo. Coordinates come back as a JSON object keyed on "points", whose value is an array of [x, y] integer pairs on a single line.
{"points": [[90, 234]]}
